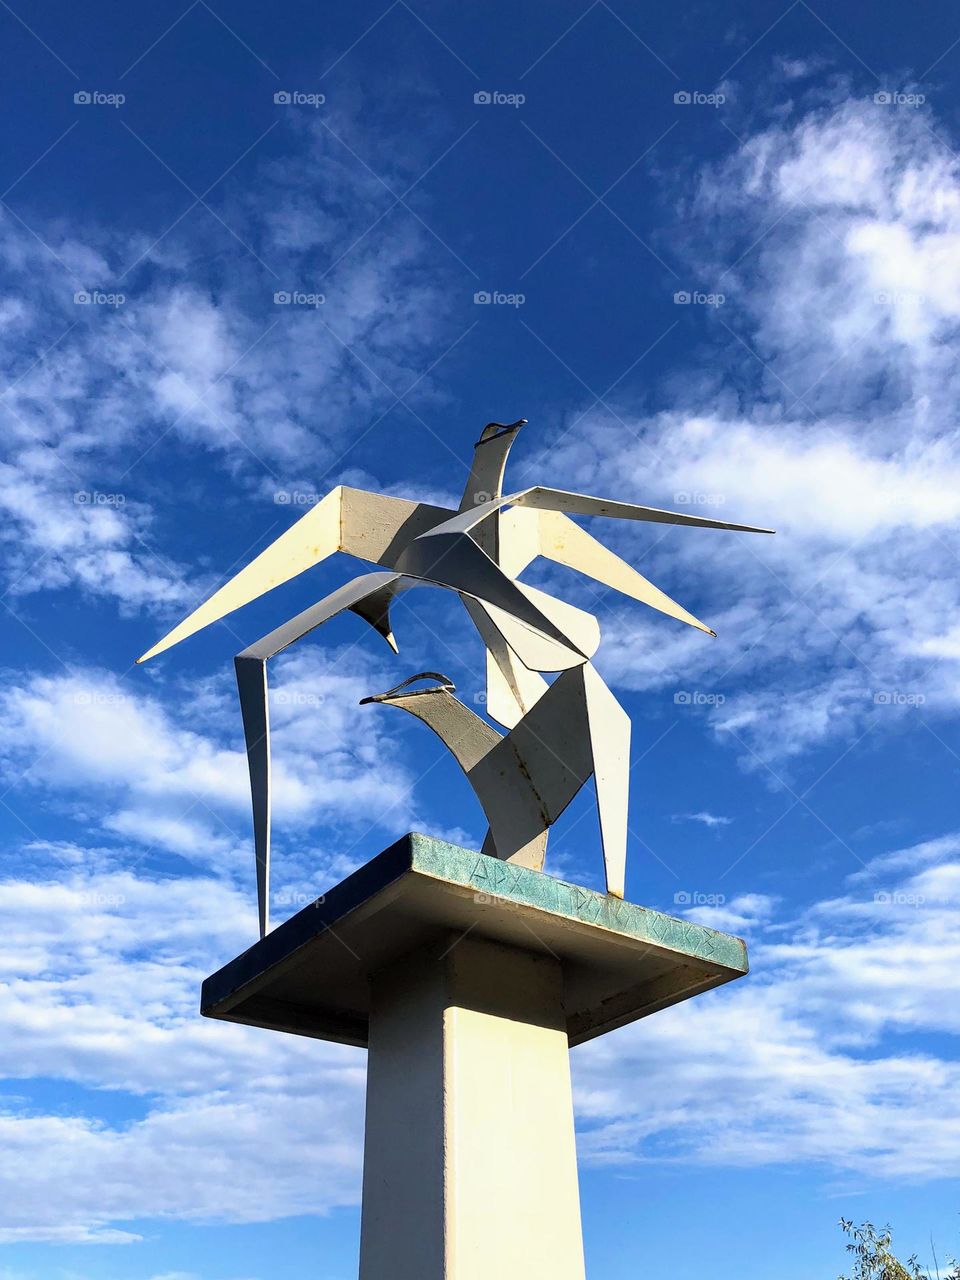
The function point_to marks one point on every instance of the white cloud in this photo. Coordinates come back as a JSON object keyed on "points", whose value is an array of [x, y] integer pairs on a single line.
{"points": [[841, 433], [206, 360], [706, 818], [171, 787], [745, 914], [283, 1158], [800, 1061], [101, 976]]}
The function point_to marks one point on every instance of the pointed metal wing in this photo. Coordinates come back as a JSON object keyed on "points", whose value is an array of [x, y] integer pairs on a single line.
{"points": [[369, 526]]}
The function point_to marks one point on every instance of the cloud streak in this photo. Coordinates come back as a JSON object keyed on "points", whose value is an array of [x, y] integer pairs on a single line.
{"points": [[837, 426], [802, 1062]]}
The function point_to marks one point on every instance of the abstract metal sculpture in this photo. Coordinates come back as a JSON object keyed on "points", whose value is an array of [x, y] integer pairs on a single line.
{"points": [[560, 733], [526, 778]]}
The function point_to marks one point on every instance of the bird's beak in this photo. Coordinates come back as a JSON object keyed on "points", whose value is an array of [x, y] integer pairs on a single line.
{"points": [[443, 684], [494, 430]]}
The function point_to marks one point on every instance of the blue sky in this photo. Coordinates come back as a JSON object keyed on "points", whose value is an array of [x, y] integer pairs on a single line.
{"points": [[794, 780]]}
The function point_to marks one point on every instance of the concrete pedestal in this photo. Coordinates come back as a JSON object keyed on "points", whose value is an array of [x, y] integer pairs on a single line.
{"points": [[468, 979], [470, 1166]]}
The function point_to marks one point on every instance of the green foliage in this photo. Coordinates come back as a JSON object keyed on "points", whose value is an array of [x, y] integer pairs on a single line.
{"points": [[873, 1259]]}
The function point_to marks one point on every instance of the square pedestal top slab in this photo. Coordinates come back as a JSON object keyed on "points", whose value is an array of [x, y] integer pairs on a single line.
{"points": [[311, 975]]}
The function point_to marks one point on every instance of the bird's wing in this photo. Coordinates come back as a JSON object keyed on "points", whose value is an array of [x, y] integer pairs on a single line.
{"points": [[609, 735], [548, 531], [526, 533], [537, 651], [580, 504], [369, 596], [370, 526], [455, 561], [254, 707], [577, 729], [512, 688]]}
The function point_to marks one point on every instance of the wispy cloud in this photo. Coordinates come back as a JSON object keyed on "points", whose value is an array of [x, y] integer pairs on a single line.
{"points": [[841, 434], [165, 785], [117, 351], [801, 1061], [704, 817]]}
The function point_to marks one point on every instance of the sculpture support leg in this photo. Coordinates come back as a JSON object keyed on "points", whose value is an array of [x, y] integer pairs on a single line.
{"points": [[469, 1161], [609, 727]]}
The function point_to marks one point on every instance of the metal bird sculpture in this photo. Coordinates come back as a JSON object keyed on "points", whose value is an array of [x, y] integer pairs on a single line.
{"points": [[526, 778], [478, 551]]}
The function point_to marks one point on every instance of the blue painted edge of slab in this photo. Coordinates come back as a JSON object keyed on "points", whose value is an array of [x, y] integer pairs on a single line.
{"points": [[504, 882]]}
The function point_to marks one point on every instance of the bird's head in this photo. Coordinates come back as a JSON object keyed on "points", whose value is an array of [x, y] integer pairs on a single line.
{"points": [[494, 430], [401, 692]]}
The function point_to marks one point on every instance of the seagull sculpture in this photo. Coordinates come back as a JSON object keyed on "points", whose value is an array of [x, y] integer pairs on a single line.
{"points": [[478, 551], [525, 779]]}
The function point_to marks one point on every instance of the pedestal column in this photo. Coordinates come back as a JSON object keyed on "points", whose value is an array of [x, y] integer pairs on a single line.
{"points": [[468, 979], [470, 1166]]}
